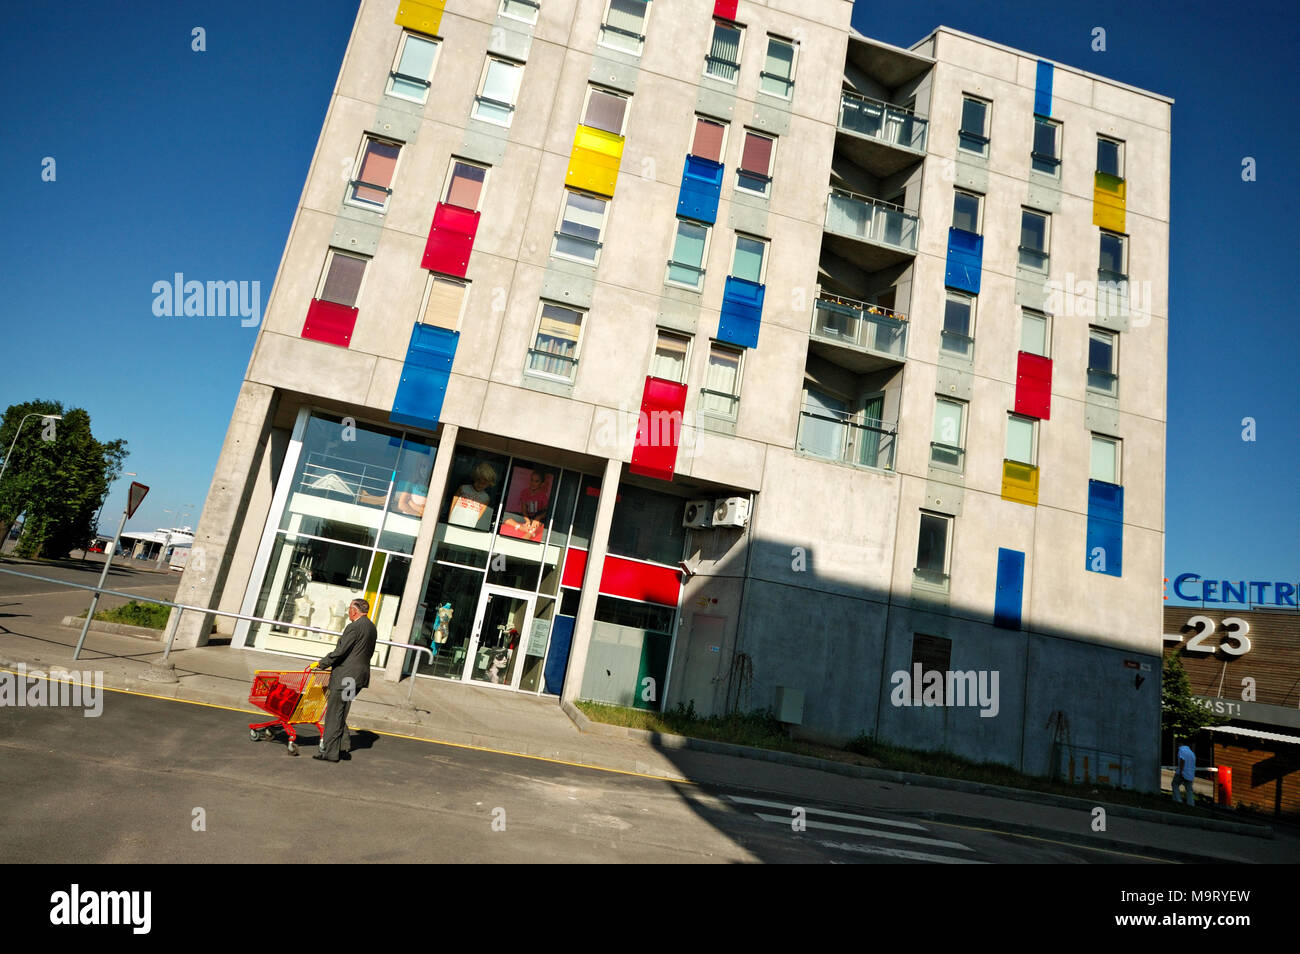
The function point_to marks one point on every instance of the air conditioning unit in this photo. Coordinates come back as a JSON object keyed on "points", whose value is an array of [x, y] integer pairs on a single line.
{"points": [[697, 513], [731, 512]]}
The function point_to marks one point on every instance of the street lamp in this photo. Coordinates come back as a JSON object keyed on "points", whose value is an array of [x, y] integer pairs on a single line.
{"points": [[182, 511], [9, 453]]}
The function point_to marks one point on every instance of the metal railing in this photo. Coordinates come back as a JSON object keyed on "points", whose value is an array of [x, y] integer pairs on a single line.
{"points": [[183, 608], [839, 436], [954, 342], [884, 122], [546, 363], [860, 325], [871, 220], [1106, 382]]}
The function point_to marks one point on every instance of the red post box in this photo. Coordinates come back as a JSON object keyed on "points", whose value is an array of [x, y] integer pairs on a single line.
{"points": [[1224, 785]]}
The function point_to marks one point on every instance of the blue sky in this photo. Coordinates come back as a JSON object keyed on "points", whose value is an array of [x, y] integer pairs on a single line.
{"points": [[170, 160]]}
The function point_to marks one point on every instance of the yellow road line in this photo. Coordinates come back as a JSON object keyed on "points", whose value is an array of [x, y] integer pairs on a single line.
{"points": [[394, 735]]}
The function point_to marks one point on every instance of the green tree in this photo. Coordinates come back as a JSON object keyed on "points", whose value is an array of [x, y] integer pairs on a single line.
{"points": [[58, 475], [1179, 711]]}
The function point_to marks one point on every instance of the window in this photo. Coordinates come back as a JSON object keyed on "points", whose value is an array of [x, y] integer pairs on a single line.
{"points": [[720, 395], [1035, 332], [947, 447], [372, 176], [777, 77], [723, 59], [413, 69], [444, 302], [686, 267], [1110, 157], [958, 335], [1033, 239], [931, 653], [710, 139], [966, 211], [670, 357], [624, 25], [1113, 258], [581, 219], [974, 134], [525, 10], [1046, 154], [1104, 460], [465, 185], [340, 280], [749, 260], [605, 110], [1103, 363], [1022, 440], [495, 102], [755, 172], [932, 546], [554, 353]]}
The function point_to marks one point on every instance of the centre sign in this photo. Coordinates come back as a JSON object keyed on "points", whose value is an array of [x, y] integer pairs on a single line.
{"points": [[1194, 589]]}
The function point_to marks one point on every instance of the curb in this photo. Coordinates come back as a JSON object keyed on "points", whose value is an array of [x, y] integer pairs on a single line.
{"points": [[117, 629], [586, 725]]}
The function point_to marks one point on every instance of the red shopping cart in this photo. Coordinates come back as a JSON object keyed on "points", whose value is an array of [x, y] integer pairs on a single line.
{"points": [[294, 698]]}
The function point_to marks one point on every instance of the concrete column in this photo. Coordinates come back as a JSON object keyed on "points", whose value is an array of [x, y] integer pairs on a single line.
{"points": [[414, 590], [227, 501], [591, 581]]}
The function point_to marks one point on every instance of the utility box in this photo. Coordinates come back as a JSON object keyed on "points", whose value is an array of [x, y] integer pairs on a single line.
{"points": [[789, 705]]}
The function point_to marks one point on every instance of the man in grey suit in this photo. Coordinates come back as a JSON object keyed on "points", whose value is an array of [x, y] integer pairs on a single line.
{"points": [[350, 666]]}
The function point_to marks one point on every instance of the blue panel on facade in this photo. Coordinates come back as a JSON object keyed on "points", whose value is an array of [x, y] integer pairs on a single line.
{"points": [[742, 312], [1043, 89], [557, 657], [965, 258], [1105, 550], [701, 187], [424, 376], [1009, 599]]}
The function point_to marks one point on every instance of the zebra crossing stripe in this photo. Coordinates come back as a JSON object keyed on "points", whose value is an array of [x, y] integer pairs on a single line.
{"points": [[899, 853], [872, 832], [825, 811]]}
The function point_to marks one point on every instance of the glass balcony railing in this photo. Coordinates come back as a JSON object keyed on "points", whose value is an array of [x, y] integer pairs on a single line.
{"points": [[860, 325], [871, 220], [891, 125], [841, 437]]}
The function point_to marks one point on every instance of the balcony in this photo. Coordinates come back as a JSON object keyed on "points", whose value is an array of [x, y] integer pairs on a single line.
{"points": [[846, 439], [879, 233], [864, 337], [878, 136]]}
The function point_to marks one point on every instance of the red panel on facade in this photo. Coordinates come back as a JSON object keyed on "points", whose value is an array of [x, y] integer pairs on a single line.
{"points": [[659, 429], [450, 240], [1034, 386], [640, 581], [726, 9], [329, 322], [575, 565]]}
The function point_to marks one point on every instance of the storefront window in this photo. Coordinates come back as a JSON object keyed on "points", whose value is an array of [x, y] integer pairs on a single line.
{"points": [[584, 517], [647, 526], [630, 643], [470, 510], [446, 621], [407, 500]]}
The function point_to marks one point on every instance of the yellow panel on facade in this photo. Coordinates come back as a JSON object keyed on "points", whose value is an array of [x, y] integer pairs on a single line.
{"points": [[1108, 198], [422, 15], [1020, 483], [594, 162]]}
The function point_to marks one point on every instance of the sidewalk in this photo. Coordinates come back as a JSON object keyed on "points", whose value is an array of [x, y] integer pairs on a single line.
{"points": [[488, 718]]}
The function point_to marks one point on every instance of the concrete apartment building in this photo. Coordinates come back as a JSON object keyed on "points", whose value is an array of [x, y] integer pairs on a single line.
{"points": [[908, 306]]}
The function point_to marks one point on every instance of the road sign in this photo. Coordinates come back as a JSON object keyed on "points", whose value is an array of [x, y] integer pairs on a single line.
{"points": [[134, 496]]}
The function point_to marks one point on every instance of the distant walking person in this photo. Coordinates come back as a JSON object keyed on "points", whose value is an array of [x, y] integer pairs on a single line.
{"points": [[1185, 773], [350, 666]]}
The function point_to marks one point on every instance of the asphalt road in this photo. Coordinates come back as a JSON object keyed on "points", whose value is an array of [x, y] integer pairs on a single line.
{"points": [[152, 780]]}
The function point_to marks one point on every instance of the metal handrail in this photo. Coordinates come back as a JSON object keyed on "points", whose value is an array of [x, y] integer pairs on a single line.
{"points": [[849, 194], [183, 607], [880, 102], [876, 311]]}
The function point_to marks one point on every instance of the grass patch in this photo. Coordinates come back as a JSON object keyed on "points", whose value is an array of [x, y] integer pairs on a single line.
{"points": [[762, 730], [134, 613]]}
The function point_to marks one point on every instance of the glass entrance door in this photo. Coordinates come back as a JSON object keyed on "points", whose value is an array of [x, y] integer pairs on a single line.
{"points": [[500, 634]]}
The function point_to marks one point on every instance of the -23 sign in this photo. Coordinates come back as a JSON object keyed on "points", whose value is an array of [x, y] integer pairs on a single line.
{"points": [[1235, 642]]}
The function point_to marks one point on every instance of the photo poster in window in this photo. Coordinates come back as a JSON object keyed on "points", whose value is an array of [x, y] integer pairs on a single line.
{"points": [[414, 468], [471, 501], [528, 504]]}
